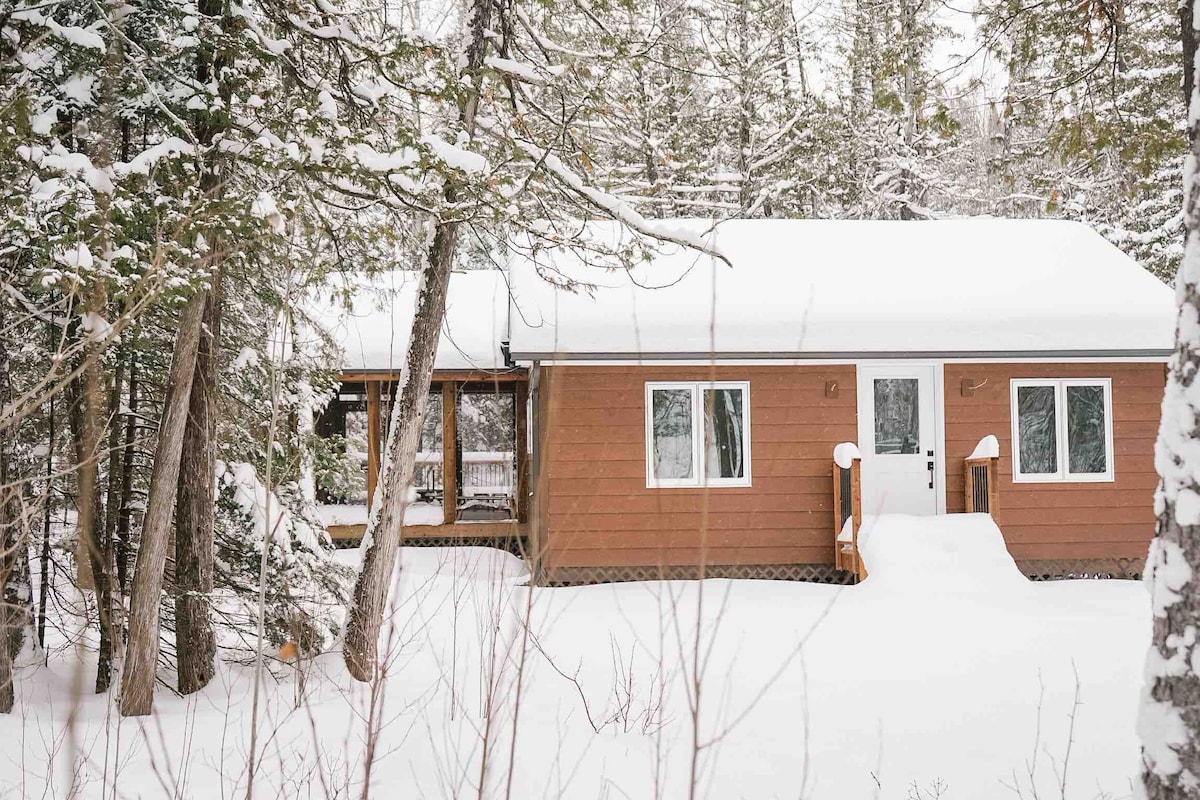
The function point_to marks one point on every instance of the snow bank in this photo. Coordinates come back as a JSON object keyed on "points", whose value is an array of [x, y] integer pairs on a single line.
{"points": [[949, 552], [356, 514], [843, 286], [811, 690], [474, 563]]}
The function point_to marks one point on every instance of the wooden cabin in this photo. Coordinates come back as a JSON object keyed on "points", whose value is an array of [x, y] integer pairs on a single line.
{"points": [[683, 413]]}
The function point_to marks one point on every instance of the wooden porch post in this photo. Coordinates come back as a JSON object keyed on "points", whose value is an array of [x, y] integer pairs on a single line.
{"points": [[449, 457], [374, 434], [521, 442]]}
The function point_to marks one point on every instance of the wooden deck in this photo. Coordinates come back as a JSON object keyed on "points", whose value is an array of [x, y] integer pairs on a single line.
{"points": [[458, 530]]}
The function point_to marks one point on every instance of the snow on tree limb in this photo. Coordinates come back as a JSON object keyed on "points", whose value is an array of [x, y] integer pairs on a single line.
{"points": [[617, 208]]}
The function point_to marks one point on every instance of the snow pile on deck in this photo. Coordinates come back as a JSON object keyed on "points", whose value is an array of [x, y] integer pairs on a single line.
{"points": [[938, 554]]}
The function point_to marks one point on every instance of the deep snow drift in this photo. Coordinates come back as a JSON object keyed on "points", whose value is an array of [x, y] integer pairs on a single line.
{"points": [[945, 665]]}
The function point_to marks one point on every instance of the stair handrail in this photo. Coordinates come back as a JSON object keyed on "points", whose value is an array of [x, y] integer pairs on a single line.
{"points": [[981, 484], [847, 507]]}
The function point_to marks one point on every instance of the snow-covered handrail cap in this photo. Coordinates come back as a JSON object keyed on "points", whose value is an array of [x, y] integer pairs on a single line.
{"points": [[845, 454], [988, 447]]}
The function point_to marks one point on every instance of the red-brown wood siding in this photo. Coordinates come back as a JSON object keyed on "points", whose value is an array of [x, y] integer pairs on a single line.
{"points": [[1061, 520], [596, 510], [596, 506]]}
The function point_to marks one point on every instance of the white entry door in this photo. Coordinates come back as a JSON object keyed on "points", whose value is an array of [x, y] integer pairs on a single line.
{"points": [[897, 435]]}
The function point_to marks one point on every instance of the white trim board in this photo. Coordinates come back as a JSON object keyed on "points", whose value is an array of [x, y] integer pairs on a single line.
{"points": [[827, 362]]}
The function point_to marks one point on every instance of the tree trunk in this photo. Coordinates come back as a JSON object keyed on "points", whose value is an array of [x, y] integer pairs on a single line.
{"points": [[195, 642], [746, 195], [382, 538], [137, 680], [92, 528], [1187, 34], [44, 556], [908, 90], [141, 662], [110, 637], [1169, 718], [124, 512], [11, 549]]}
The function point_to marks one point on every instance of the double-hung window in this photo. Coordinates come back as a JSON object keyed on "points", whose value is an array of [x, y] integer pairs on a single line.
{"points": [[698, 434], [1062, 429]]}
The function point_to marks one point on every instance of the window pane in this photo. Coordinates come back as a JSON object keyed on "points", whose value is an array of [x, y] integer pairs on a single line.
{"points": [[1036, 429], [672, 426], [1086, 429], [897, 416], [724, 423]]}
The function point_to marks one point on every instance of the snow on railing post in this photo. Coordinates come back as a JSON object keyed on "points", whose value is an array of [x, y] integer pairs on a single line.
{"points": [[980, 477], [847, 508]]}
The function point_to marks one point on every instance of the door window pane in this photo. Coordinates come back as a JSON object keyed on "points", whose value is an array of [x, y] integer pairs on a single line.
{"points": [[672, 428], [724, 423], [897, 416], [1037, 430], [1086, 443]]}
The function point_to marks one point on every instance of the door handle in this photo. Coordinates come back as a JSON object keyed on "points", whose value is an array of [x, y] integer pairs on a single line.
{"points": [[930, 474]]}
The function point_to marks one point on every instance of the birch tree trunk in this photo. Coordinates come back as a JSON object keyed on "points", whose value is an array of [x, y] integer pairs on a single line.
{"points": [[137, 676], [1169, 717], [195, 515], [382, 539]]}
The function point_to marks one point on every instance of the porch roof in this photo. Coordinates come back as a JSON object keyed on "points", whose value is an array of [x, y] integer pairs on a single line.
{"points": [[372, 332], [830, 288]]}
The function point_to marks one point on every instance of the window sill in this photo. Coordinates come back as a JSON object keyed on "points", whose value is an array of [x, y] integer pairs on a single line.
{"points": [[745, 485], [1071, 479]]}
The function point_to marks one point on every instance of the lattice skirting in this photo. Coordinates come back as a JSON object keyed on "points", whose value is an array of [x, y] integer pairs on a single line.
{"points": [[1063, 569], [1038, 570], [509, 544], [576, 576]]}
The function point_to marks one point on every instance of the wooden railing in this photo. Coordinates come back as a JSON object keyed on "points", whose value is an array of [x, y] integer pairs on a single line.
{"points": [[483, 474], [980, 478], [847, 509]]}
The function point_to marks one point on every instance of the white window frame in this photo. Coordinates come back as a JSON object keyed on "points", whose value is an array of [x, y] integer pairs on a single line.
{"points": [[1063, 452], [699, 478]]}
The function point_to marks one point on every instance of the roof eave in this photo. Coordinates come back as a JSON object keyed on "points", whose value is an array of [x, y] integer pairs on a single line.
{"points": [[1148, 354]]}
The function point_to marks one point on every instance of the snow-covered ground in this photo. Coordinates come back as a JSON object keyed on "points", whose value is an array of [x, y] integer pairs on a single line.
{"points": [[944, 668]]}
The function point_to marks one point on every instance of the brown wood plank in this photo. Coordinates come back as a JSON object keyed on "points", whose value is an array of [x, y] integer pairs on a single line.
{"points": [[449, 453], [1075, 534], [1079, 550], [713, 520], [585, 486], [580, 557], [374, 439], [522, 490], [473, 376], [659, 502], [465, 530]]}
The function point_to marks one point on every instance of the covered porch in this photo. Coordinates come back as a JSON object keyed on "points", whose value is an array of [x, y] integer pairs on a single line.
{"points": [[471, 481]]}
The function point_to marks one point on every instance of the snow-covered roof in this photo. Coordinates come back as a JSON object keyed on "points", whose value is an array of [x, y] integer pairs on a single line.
{"points": [[374, 334], [829, 288]]}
